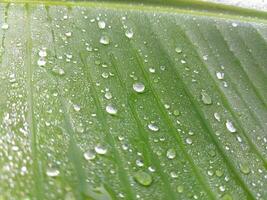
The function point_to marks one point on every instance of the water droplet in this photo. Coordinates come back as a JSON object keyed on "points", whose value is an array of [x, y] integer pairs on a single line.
{"points": [[152, 70], [108, 95], [244, 168], [41, 62], [180, 189], [219, 173], [220, 75], [189, 141], [143, 178], [217, 117], [174, 174], [58, 70], [178, 50], [176, 112], [112, 110], [5, 26], [230, 126], [42, 53], [151, 169], [222, 188], [68, 34], [101, 24], [153, 127], [104, 40], [205, 57], [89, 155], [234, 24], [129, 33], [105, 75], [206, 99], [171, 153], [139, 87], [99, 149], [139, 163], [227, 197], [52, 172], [76, 107]]}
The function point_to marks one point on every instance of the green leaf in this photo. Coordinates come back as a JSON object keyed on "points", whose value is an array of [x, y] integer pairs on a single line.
{"points": [[122, 100]]}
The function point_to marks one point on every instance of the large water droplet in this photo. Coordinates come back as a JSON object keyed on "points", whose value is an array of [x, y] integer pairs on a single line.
{"points": [[139, 87], [171, 153], [112, 110], [104, 40], [99, 149], [230, 126], [52, 172], [206, 99], [143, 178], [89, 155], [153, 127]]}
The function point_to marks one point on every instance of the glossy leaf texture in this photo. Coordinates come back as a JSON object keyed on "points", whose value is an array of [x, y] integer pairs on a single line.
{"points": [[130, 101]]}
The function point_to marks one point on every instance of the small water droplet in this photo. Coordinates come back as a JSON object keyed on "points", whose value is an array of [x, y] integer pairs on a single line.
{"points": [[153, 127], [143, 178], [105, 75], [89, 155], [222, 188], [180, 189], [217, 117], [151, 169], [206, 99], [139, 87], [99, 149], [76, 107], [174, 174], [129, 33], [108, 95], [41, 62], [5, 26], [52, 172], [220, 75], [234, 24], [176, 112], [104, 40], [230, 126], [58, 70], [188, 140], [171, 153], [112, 110], [219, 173], [42, 52], [152, 70], [139, 163], [68, 34], [244, 168], [178, 50], [205, 57], [101, 24]]}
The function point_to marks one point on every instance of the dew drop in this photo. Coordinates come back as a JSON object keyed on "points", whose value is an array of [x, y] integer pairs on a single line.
{"points": [[153, 127], [206, 99], [178, 50], [76, 107], [101, 24], [174, 174], [52, 172], [244, 168], [205, 57], [230, 126], [219, 173], [139, 163], [139, 87], [68, 34], [42, 53], [220, 75], [180, 189], [58, 70], [129, 33], [89, 155], [152, 70], [104, 40], [217, 117], [108, 95], [112, 110], [143, 178], [234, 24], [5, 26], [99, 149], [176, 112], [189, 141], [41, 62], [171, 153]]}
